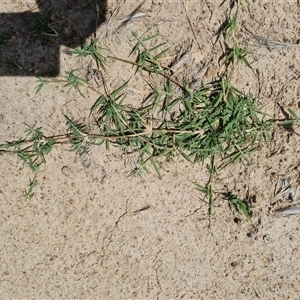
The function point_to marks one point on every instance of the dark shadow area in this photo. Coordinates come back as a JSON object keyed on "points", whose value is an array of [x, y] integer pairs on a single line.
{"points": [[30, 41]]}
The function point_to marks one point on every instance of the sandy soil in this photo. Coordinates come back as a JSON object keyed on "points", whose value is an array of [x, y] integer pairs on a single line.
{"points": [[84, 234]]}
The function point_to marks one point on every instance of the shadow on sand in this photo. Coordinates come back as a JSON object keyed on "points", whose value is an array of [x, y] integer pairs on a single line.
{"points": [[30, 41]]}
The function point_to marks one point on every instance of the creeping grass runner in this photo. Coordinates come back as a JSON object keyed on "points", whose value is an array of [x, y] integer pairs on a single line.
{"points": [[216, 125]]}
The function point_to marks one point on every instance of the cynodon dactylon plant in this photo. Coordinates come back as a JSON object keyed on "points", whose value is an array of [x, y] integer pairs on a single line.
{"points": [[215, 124]]}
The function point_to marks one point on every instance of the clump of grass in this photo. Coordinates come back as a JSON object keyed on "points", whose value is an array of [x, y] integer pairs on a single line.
{"points": [[72, 79], [238, 205], [28, 194], [230, 26], [236, 55], [75, 81], [93, 51], [215, 121], [14, 64], [208, 192], [31, 150], [44, 29], [146, 59], [216, 124]]}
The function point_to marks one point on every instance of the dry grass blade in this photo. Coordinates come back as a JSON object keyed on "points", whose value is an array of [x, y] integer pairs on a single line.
{"points": [[264, 42], [293, 210]]}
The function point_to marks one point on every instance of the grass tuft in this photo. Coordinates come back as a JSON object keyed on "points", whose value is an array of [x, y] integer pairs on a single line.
{"points": [[216, 125]]}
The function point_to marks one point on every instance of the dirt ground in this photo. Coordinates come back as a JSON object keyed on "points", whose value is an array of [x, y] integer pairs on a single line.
{"points": [[85, 234]]}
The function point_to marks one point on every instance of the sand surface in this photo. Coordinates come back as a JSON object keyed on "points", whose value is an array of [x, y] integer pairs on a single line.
{"points": [[90, 232]]}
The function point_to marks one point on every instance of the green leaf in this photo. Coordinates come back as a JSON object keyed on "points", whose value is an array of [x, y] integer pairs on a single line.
{"points": [[239, 205], [293, 114]]}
